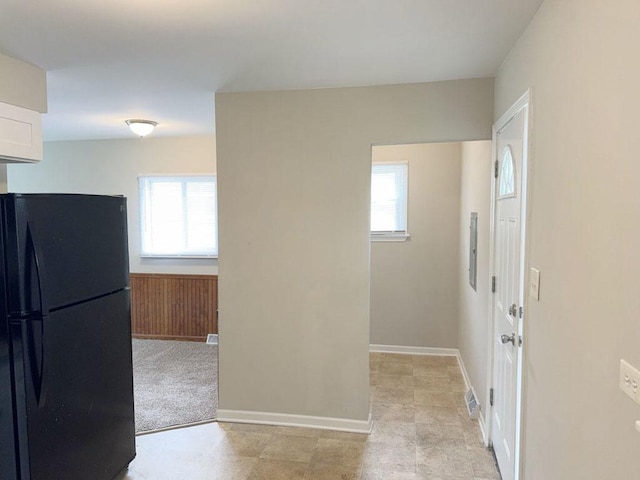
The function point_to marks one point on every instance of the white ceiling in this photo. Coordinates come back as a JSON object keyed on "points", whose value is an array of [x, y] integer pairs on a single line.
{"points": [[162, 60]]}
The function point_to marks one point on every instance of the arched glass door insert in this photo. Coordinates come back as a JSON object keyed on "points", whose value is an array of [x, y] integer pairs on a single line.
{"points": [[506, 180]]}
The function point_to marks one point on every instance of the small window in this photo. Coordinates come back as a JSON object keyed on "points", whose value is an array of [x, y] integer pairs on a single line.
{"points": [[507, 183], [389, 201], [178, 216]]}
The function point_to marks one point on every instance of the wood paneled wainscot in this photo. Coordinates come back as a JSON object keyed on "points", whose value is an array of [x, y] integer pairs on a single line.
{"points": [[180, 307]]}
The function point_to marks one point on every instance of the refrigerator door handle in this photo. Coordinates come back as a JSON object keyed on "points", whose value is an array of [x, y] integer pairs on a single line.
{"points": [[40, 272], [38, 370]]}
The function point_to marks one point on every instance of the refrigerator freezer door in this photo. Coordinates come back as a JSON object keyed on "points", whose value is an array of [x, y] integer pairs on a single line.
{"points": [[79, 408], [64, 249]]}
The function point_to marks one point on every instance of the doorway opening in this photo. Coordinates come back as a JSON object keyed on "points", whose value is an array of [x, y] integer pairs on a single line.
{"points": [[430, 287], [175, 368]]}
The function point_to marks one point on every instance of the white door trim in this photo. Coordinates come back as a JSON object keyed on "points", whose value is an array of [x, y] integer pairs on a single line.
{"points": [[524, 102]]}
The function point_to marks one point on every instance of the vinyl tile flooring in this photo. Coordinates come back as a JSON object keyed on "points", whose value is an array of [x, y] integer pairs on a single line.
{"points": [[421, 430]]}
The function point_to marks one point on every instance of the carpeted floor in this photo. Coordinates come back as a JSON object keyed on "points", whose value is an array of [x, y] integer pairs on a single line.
{"points": [[174, 383]]}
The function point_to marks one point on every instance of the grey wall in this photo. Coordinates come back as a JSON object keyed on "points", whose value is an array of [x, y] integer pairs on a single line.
{"points": [[473, 307], [112, 167], [294, 184], [580, 59], [414, 284]]}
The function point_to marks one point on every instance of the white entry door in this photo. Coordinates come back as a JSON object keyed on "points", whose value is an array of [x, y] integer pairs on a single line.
{"points": [[508, 264]]}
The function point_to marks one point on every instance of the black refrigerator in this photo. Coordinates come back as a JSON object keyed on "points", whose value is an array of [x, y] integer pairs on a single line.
{"points": [[66, 383]]}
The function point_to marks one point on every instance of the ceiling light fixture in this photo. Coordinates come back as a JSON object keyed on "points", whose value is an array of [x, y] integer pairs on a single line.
{"points": [[141, 127]]}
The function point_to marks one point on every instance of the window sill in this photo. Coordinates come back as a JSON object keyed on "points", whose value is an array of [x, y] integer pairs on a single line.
{"points": [[187, 257], [389, 237]]}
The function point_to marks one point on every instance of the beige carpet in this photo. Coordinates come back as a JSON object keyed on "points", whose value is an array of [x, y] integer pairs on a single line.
{"points": [[174, 383]]}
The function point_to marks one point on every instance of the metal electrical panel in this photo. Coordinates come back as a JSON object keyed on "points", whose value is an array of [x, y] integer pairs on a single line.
{"points": [[473, 249]]}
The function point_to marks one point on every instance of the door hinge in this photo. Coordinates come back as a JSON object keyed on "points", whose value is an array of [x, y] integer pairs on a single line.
{"points": [[493, 284], [495, 169], [520, 312], [491, 397]]}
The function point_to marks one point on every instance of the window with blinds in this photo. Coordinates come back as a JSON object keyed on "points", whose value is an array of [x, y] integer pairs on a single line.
{"points": [[389, 200], [178, 216]]}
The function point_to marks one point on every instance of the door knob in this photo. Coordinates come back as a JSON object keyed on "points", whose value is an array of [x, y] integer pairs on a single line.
{"points": [[508, 338]]}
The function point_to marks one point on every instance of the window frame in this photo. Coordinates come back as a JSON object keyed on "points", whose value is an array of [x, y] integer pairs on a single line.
{"points": [[142, 209], [392, 236]]}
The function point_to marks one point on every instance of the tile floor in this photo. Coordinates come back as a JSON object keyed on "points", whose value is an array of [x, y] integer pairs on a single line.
{"points": [[421, 431]]}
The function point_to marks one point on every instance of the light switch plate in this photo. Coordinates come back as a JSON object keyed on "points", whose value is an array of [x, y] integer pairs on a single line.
{"points": [[630, 381], [534, 284]]}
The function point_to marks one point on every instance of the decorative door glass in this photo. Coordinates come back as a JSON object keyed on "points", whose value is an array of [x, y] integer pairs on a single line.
{"points": [[506, 181]]}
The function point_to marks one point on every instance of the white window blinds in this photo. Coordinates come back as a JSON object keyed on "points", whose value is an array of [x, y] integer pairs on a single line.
{"points": [[389, 198], [178, 216]]}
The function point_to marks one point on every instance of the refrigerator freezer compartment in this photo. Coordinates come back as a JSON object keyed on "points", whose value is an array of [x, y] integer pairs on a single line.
{"points": [[64, 249]]}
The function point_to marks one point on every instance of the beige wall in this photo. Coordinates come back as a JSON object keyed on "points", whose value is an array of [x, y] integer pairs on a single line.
{"points": [[22, 84], [3, 179], [112, 167], [414, 284], [580, 59], [294, 183], [473, 307]]}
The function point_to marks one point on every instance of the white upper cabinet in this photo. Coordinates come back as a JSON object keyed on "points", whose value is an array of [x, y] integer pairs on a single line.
{"points": [[20, 134]]}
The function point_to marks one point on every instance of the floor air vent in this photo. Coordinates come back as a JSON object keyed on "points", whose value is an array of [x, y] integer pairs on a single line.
{"points": [[212, 339], [472, 404]]}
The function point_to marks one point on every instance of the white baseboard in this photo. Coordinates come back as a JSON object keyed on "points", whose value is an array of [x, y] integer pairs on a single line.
{"points": [[413, 350], [483, 429], [268, 418], [467, 383], [465, 375]]}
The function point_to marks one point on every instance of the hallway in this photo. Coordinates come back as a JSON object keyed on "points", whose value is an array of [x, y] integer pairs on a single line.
{"points": [[421, 431]]}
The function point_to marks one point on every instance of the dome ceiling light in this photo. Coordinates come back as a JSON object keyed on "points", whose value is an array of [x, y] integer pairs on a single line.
{"points": [[141, 128]]}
